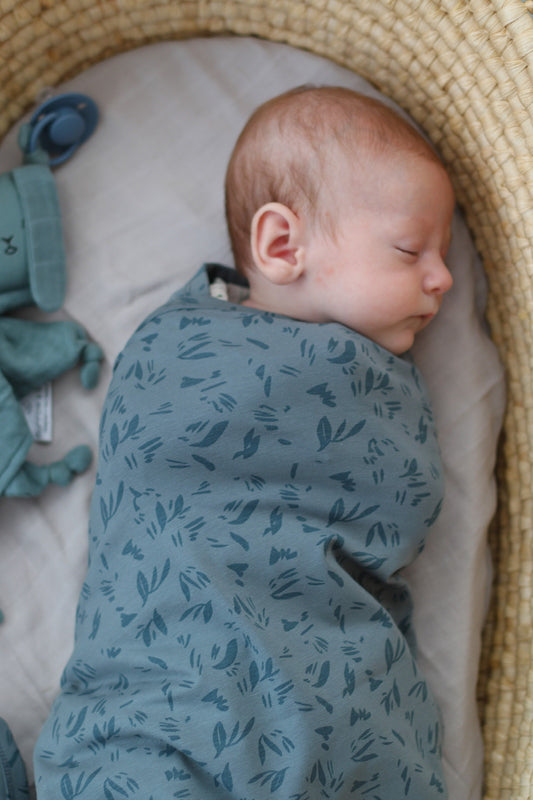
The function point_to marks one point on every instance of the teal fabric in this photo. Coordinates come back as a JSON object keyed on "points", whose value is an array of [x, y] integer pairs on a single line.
{"points": [[34, 352], [13, 779], [32, 272], [32, 256], [30, 354], [31, 479], [243, 630], [16, 436], [19, 477], [13, 257], [44, 235]]}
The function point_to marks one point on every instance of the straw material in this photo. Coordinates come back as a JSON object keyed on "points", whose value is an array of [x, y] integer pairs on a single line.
{"points": [[464, 70]]}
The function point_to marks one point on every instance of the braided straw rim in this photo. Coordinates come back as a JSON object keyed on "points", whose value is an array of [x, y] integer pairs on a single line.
{"points": [[464, 70]]}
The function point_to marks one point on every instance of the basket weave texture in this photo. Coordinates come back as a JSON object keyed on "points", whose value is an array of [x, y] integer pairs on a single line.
{"points": [[464, 70]]}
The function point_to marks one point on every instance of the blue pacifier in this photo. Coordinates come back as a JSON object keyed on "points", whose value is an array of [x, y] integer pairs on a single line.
{"points": [[60, 125]]}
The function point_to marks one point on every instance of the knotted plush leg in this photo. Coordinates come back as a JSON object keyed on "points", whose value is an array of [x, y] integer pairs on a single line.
{"points": [[31, 479], [13, 780], [19, 477], [34, 352]]}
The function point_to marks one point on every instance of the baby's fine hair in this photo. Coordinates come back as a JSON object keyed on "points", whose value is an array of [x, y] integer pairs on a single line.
{"points": [[282, 152]]}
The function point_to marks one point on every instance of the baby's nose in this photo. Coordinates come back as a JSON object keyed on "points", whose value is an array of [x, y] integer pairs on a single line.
{"points": [[438, 279]]}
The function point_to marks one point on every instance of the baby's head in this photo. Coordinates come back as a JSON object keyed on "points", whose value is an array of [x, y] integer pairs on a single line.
{"points": [[328, 194]]}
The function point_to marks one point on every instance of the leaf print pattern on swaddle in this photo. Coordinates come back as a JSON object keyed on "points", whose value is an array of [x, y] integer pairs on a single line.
{"points": [[243, 631]]}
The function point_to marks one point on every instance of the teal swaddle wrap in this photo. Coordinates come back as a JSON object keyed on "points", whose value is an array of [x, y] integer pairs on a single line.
{"points": [[243, 631]]}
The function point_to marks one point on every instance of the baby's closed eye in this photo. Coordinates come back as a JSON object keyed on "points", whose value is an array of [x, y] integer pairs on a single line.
{"points": [[407, 250]]}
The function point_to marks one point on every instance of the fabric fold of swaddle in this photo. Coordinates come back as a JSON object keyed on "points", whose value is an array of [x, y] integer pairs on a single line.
{"points": [[242, 630]]}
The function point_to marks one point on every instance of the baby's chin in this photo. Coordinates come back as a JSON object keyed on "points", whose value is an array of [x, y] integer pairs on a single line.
{"points": [[398, 344], [405, 339]]}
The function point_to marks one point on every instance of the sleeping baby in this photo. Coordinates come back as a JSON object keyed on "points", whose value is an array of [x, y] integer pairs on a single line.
{"points": [[268, 464]]}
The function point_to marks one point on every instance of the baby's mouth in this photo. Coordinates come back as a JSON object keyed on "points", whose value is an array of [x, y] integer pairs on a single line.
{"points": [[424, 319]]}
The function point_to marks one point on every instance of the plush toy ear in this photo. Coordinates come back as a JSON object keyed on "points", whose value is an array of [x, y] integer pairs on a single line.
{"points": [[276, 242]]}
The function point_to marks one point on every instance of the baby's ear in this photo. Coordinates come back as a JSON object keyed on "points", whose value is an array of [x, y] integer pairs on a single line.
{"points": [[276, 242]]}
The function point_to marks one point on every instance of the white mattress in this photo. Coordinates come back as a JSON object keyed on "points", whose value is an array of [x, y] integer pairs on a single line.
{"points": [[142, 206]]}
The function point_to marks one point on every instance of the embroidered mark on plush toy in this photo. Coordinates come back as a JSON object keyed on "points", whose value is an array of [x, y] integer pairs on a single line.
{"points": [[10, 249]]}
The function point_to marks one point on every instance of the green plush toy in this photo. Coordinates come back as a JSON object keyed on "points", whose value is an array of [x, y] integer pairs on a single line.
{"points": [[32, 272], [13, 777]]}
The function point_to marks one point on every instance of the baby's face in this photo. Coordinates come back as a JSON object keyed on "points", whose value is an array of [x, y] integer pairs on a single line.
{"points": [[383, 274]]}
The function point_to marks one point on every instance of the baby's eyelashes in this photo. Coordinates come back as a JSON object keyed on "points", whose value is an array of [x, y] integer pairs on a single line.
{"points": [[406, 251]]}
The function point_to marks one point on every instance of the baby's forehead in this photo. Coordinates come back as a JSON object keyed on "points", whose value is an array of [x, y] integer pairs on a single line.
{"points": [[385, 180]]}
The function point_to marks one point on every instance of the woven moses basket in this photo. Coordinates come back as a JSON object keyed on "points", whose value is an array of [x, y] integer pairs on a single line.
{"points": [[463, 70]]}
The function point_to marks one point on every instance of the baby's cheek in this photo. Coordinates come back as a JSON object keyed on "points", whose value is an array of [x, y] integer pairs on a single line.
{"points": [[326, 275]]}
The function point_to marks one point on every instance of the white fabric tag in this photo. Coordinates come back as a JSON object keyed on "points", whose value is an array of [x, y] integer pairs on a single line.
{"points": [[219, 289], [37, 408]]}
